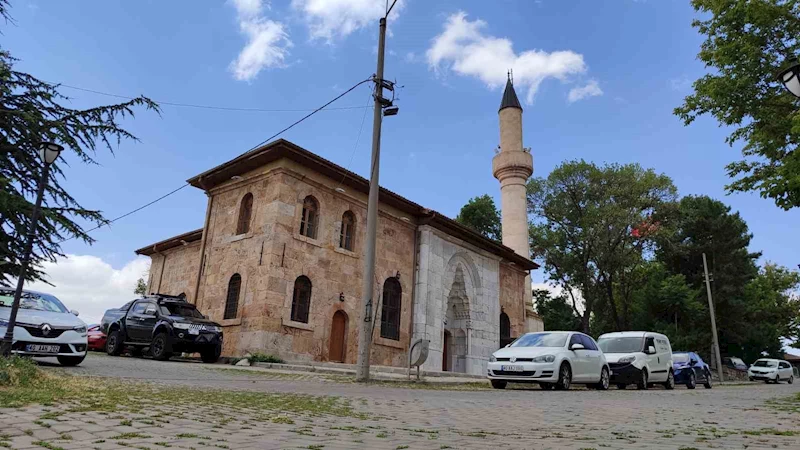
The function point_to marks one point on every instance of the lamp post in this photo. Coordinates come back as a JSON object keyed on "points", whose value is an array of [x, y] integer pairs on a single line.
{"points": [[49, 152], [790, 77]]}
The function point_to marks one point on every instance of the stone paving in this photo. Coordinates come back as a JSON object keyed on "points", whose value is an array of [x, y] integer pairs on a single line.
{"points": [[380, 417]]}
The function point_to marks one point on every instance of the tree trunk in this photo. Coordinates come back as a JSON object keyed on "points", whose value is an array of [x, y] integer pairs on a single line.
{"points": [[611, 303]]}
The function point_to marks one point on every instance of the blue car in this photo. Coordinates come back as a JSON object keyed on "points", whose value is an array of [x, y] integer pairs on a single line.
{"points": [[689, 369]]}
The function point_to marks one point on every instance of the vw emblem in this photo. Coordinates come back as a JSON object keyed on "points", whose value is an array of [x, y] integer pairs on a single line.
{"points": [[46, 329], [513, 359]]}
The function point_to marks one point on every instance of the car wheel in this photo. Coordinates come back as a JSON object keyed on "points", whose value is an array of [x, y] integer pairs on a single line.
{"points": [[642, 383], [564, 377], [497, 384], [777, 379], [670, 383], [211, 355], [605, 380], [159, 348], [791, 379], [707, 384], [546, 386], [692, 383], [70, 360], [621, 386], [114, 343]]}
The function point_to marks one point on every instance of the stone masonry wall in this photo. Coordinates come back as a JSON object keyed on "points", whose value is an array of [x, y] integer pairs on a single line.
{"points": [[179, 274]]}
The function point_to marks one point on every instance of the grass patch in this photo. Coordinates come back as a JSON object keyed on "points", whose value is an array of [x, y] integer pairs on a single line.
{"points": [[771, 431], [129, 436], [264, 358], [48, 445]]}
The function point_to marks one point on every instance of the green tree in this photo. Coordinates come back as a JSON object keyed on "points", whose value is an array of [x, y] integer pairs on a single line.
{"points": [[747, 43], [556, 313], [591, 226], [31, 111], [141, 287], [481, 214]]}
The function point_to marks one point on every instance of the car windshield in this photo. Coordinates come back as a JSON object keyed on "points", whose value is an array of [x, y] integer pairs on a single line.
{"points": [[183, 310], [680, 358], [541, 340], [620, 344], [31, 300], [765, 363]]}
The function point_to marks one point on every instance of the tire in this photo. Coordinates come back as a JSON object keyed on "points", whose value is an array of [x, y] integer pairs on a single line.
{"points": [[642, 383], [670, 383], [564, 377], [777, 379], [621, 386], [605, 380], [707, 384], [70, 361], [692, 383], [114, 343], [211, 355], [159, 348], [791, 379], [546, 386], [497, 384]]}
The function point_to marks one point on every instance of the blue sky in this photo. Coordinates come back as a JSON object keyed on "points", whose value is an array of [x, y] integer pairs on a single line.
{"points": [[598, 81]]}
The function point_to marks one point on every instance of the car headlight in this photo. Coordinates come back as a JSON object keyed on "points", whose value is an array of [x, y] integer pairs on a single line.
{"points": [[213, 328], [181, 326], [544, 359], [492, 359], [628, 359], [81, 329]]}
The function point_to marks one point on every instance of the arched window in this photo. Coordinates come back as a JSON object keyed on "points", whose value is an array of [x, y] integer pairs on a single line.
{"points": [[347, 236], [232, 301], [390, 313], [245, 213], [301, 299], [310, 218], [505, 327]]}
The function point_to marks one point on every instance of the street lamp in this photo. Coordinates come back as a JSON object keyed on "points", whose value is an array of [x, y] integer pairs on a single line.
{"points": [[49, 152], [790, 77]]}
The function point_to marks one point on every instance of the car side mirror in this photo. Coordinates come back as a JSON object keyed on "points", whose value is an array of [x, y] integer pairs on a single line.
{"points": [[507, 345], [150, 312], [574, 347], [651, 350], [692, 362], [75, 312]]}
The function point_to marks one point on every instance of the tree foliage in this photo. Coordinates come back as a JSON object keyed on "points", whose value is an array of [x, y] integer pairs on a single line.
{"points": [[141, 287], [32, 111], [481, 214], [556, 312], [747, 43]]}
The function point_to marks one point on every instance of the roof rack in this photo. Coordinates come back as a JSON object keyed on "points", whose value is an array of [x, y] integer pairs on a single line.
{"points": [[180, 298]]}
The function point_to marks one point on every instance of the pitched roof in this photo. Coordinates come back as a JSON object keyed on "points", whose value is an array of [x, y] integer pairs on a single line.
{"points": [[510, 99], [166, 244], [282, 148]]}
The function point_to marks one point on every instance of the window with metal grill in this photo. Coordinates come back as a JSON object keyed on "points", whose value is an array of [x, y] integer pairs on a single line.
{"points": [[245, 213], [310, 218], [301, 299], [348, 232], [390, 312], [232, 301]]}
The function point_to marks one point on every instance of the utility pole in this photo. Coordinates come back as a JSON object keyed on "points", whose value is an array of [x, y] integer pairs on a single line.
{"points": [[365, 327], [713, 321]]}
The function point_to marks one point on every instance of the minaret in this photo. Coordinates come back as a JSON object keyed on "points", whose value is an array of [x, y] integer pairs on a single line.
{"points": [[512, 166]]}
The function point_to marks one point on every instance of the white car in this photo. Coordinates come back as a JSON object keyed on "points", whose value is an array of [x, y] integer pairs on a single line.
{"points": [[45, 327], [774, 370], [638, 357], [552, 359]]}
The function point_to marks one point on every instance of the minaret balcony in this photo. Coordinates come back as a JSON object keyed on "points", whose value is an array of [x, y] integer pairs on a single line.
{"points": [[512, 164]]}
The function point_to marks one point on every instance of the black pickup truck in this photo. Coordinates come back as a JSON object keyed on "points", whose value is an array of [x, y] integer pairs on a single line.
{"points": [[165, 324]]}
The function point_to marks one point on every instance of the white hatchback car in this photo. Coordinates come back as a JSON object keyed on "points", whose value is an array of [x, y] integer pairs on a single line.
{"points": [[552, 359], [774, 370], [45, 327]]}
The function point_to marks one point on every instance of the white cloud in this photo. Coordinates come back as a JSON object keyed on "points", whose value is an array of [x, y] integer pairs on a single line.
{"points": [[411, 57], [267, 41], [592, 89], [466, 50], [330, 19], [91, 285]]}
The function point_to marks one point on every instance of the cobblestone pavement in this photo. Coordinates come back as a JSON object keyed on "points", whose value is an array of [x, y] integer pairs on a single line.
{"points": [[380, 417]]}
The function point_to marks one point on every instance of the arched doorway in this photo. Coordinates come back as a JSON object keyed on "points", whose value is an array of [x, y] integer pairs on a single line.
{"points": [[338, 347], [447, 343]]}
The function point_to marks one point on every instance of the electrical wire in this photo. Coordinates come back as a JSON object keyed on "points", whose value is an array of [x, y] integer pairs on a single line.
{"points": [[255, 147], [358, 139]]}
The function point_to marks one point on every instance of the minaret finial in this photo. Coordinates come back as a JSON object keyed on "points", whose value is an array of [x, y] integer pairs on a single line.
{"points": [[511, 76]]}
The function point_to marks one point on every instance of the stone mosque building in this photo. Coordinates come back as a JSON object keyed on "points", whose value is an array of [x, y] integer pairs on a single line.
{"points": [[279, 262]]}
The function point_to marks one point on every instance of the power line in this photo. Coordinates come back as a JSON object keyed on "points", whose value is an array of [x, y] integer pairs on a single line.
{"points": [[259, 145], [219, 108], [358, 139]]}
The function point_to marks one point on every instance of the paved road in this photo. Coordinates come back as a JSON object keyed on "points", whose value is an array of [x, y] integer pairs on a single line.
{"points": [[723, 417]]}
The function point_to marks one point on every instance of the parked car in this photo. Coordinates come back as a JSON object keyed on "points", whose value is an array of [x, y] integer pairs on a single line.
{"points": [[689, 369], [734, 363], [166, 325], [97, 339], [44, 327], [551, 359], [114, 314], [638, 357], [774, 370]]}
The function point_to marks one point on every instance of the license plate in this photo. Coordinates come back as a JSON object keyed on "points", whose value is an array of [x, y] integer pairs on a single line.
{"points": [[39, 348], [511, 368], [194, 331]]}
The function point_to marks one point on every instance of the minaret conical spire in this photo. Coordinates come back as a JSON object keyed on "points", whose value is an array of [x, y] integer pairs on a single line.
{"points": [[510, 99]]}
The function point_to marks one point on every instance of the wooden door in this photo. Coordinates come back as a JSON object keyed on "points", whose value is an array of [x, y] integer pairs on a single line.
{"points": [[446, 351], [338, 334]]}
